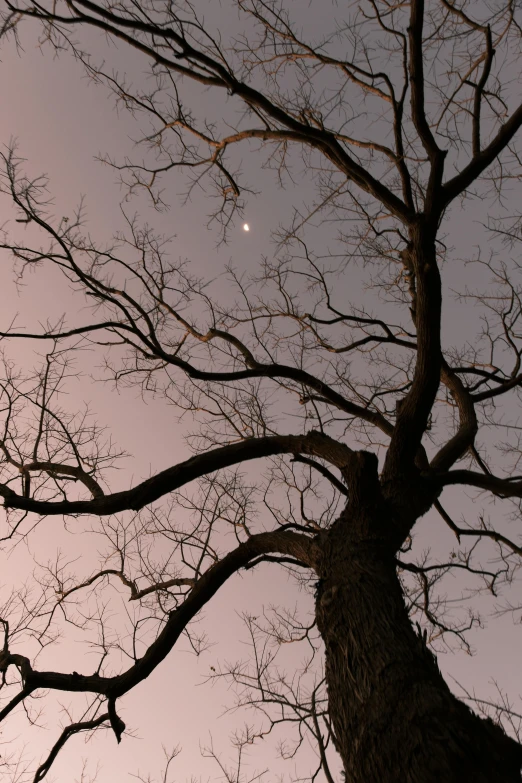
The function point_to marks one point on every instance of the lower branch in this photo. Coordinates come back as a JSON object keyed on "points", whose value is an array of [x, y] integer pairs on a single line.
{"points": [[294, 545], [68, 732]]}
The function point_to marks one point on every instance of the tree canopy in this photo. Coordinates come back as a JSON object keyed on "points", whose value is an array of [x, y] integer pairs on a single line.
{"points": [[331, 366]]}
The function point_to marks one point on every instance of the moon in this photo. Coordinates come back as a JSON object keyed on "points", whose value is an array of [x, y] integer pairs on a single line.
{"points": [[246, 227]]}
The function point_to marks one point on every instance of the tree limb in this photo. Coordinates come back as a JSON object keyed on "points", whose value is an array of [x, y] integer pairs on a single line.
{"points": [[314, 443], [297, 546]]}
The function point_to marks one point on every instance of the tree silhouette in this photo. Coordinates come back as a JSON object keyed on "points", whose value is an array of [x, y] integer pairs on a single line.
{"points": [[404, 114]]}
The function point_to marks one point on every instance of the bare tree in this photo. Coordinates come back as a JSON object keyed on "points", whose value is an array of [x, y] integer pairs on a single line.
{"points": [[403, 113]]}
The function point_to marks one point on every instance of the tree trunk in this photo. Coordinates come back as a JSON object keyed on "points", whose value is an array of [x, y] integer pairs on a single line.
{"points": [[393, 716]]}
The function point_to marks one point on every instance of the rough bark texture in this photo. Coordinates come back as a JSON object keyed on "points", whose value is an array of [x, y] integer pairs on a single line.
{"points": [[393, 716]]}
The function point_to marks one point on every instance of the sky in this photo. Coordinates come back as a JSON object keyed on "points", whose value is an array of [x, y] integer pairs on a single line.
{"points": [[62, 122]]}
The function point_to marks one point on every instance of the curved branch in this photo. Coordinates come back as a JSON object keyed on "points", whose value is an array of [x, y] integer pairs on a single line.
{"points": [[479, 533], [504, 488], [480, 162], [295, 374], [414, 410], [57, 469], [74, 728], [468, 425], [502, 388], [294, 545], [207, 70], [136, 594], [313, 443], [155, 588], [416, 72], [340, 487]]}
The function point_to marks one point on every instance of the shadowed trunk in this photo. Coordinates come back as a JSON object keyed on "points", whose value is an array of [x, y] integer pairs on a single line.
{"points": [[393, 716]]}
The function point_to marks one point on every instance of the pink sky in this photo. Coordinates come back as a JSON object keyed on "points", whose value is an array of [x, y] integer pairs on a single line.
{"points": [[62, 122]]}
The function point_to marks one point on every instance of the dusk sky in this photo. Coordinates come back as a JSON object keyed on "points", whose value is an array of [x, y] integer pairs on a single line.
{"points": [[62, 122]]}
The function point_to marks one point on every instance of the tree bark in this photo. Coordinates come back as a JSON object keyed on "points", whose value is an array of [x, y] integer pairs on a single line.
{"points": [[393, 716]]}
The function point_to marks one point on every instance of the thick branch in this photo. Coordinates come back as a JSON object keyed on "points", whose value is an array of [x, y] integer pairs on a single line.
{"points": [[68, 732], [313, 444], [499, 486], [414, 410], [468, 426], [299, 547], [451, 189], [504, 386], [340, 487], [418, 110], [276, 371]]}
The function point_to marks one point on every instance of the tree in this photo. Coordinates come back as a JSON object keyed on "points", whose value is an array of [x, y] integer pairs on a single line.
{"points": [[405, 114]]}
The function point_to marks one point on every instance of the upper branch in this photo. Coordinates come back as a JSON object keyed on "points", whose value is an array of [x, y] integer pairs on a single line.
{"points": [[503, 487], [484, 158], [414, 410], [69, 731], [468, 426], [418, 109], [209, 70]]}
